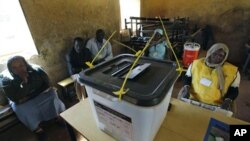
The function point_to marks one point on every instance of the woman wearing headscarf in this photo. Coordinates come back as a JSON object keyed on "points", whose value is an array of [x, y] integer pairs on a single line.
{"points": [[30, 94], [212, 80], [157, 49]]}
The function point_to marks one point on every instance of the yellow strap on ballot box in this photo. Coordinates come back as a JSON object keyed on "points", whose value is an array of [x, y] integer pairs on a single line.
{"points": [[179, 69], [121, 91]]}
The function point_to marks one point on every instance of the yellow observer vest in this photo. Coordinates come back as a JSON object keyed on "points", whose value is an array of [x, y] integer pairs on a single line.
{"points": [[205, 83]]}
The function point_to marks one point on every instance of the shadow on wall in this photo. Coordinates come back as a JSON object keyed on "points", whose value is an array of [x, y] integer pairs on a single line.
{"points": [[51, 58], [56, 71], [232, 28], [235, 20]]}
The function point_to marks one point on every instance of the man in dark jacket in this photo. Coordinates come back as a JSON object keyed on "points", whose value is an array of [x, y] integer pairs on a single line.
{"points": [[76, 58]]}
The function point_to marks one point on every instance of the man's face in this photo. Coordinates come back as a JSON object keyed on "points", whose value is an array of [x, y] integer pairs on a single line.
{"points": [[157, 36], [217, 57], [100, 37], [19, 67], [77, 47]]}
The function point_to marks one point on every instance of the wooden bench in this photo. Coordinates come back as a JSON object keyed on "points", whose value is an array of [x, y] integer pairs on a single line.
{"points": [[66, 85]]}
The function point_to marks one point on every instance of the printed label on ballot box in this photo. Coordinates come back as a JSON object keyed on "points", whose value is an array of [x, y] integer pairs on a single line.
{"points": [[115, 123]]}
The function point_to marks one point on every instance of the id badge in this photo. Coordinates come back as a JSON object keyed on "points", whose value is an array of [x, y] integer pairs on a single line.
{"points": [[205, 82]]}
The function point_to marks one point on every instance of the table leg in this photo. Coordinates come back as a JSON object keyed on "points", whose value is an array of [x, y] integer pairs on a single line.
{"points": [[71, 132]]}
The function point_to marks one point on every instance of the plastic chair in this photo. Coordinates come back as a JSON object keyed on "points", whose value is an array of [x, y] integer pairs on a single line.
{"points": [[229, 113]]}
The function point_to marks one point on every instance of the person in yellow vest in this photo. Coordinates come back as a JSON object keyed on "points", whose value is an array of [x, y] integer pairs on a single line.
{"points": [[212, 80]]}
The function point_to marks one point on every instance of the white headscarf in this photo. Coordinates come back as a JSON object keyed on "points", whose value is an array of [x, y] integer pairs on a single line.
{"points": [[213, 49], [158, 30]]}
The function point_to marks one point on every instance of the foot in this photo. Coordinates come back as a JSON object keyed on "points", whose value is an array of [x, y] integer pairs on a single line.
{"points": [[38, 130], [40, 134]]}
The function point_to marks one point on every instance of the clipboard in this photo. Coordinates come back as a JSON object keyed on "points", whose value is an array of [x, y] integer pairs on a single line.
{"points": [[217, 131]]}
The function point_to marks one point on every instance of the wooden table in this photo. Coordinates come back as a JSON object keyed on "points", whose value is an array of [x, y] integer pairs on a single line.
{"points": [[184, 122]]}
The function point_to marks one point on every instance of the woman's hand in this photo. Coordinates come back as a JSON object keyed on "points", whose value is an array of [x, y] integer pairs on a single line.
{"points": [[185, 92], [226, 104]]}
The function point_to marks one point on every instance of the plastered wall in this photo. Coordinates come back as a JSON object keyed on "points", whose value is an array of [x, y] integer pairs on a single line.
{"points": [[54, 24], [229, 19]]}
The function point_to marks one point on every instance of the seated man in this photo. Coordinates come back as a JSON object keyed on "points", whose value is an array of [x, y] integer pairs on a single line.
{"points": [[212, 80], [158, 46], [76, 58], [95, 44], [30, 94]]}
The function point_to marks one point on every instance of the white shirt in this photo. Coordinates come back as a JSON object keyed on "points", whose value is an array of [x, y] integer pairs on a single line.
{"points": [[94, 46]]}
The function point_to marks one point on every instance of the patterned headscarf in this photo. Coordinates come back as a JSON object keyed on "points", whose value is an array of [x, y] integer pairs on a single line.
{"points": [[220, 74]]}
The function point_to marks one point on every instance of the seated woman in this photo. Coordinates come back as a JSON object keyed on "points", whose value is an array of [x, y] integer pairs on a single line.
{"points": [[158, 46], [212, 80], [30, 94]]}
